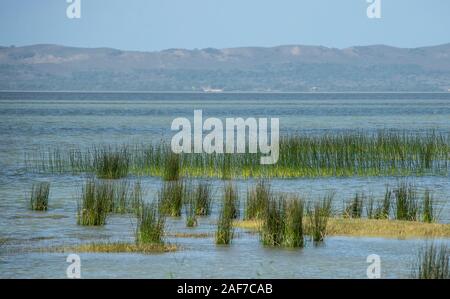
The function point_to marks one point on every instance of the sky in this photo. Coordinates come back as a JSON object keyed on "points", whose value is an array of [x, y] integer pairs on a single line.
{"points": [[150, 25]]}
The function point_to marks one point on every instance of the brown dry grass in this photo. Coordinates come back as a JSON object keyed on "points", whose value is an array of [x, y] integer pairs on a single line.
{"points": [[190, 235], [119, 247]]}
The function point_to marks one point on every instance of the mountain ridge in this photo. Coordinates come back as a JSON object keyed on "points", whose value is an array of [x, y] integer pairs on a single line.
{"points": [[277, 68]]}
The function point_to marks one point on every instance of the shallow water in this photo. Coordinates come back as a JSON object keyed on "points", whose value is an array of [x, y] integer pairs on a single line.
{"points": [[34, 120]]}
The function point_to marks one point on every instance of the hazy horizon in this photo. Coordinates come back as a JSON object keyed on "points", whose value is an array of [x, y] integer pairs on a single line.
{"points": [[157, 25], [237, 47]]}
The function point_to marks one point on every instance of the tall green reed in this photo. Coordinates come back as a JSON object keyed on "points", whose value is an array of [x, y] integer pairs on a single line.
{"points": [[406, 202], [111, 163], [150, 225], [354, 208], [340, 154], [432, 263], [171, 171], [228, 212], [39, 196], [202, 199], [257, 200], [170, 198], [95, 203], [318, 215]]}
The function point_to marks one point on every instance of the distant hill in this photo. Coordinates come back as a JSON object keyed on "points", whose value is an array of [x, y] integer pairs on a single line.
{"points": [[282, 68]]}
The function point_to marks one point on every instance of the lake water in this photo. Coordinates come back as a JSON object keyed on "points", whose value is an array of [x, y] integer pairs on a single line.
{"points": [[29, 121]]}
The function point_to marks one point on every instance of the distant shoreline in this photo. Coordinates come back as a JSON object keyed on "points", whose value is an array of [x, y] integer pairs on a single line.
{"points": [[228, 92]]}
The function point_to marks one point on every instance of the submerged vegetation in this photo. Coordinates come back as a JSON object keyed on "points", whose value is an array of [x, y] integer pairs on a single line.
{"points": [[432, 263], [344, 154], [39, 196]]}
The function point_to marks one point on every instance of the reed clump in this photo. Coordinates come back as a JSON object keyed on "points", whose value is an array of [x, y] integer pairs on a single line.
{"points": [[428, 210], [136, 197], [228, 212], [170, 198], [432, 263], [126, 197], [171, 171], [282, 224], [257, 200], [120, 196], [318, 215], [383, 210], [406, 202], [150, 225], [231, 200], [293, 230], [111, 163], [225, 232], [354, 208], [273, 225], [202, 199], [95, 203], [39, 196], [191, 216]]}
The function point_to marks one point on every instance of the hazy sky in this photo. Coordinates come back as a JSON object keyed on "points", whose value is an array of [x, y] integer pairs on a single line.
{"points": [[160, 24]]}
